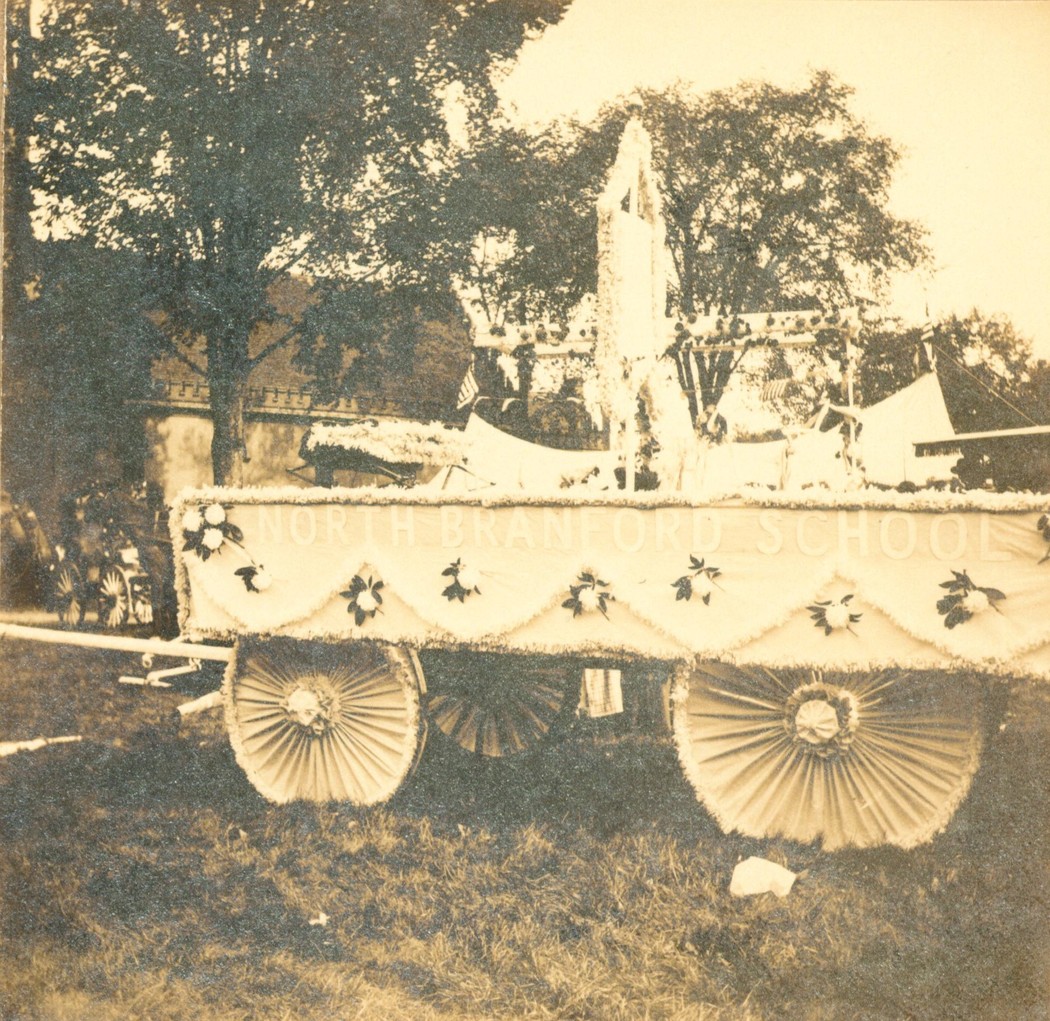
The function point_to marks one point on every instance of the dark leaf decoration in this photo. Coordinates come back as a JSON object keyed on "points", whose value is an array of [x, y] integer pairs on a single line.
{"points": [[365, 598], [704, 584], [965, 599], [590, 594], [456, 589], [832, 616]]}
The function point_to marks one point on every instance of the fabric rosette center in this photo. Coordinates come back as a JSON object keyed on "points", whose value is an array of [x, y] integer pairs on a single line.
{"points": [[821, 720], [311, 706]]}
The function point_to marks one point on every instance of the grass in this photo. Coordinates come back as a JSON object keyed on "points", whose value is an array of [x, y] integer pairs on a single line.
{"points": [[142, 878]]}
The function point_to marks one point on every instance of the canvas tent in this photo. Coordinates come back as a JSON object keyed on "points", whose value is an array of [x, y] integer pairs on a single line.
{"points": [[891, 428]]}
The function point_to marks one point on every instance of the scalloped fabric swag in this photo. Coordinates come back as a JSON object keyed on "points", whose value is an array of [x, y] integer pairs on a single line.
{"points": [[966, 599]]}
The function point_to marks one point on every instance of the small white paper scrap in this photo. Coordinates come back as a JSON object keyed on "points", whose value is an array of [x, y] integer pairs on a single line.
{"points": [[757, 875]]}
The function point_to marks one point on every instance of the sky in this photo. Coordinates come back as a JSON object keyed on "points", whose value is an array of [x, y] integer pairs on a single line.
{"points": [[962, 87]]}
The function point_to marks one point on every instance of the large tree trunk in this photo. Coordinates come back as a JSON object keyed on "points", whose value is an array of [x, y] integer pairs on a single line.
{"points": [[228, 370]]}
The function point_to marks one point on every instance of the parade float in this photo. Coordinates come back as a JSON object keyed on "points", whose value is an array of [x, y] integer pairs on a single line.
{"points": [[825, 645]]}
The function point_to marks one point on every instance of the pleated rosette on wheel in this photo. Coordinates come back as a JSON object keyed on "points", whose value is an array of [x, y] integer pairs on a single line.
{"points": [[317, 722], [845, 759], [495, 704]]}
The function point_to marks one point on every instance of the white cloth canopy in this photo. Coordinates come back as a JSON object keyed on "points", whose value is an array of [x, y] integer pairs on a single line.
{"points": [[727, 467], [495, 458], [815, 459], [893, 426]]}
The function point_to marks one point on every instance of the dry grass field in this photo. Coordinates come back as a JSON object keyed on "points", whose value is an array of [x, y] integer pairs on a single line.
{"points": [[142, 878]]}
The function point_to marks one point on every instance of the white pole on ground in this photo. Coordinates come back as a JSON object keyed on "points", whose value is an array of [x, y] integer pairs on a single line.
{"points": [[117, 643]]}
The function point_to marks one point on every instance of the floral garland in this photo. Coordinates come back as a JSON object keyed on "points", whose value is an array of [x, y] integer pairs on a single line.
{"points": [[207, 528], [465, 580], [832, 616], [701, 582], [591, 594], [365, 598], [965, 599]]}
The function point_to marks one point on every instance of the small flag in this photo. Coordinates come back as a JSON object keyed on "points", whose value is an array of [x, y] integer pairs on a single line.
{"points": [[468, 391], [775, 389], [927, 361]]}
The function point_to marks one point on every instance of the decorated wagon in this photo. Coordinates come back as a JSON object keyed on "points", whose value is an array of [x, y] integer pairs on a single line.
{"points": [[825, 655]]}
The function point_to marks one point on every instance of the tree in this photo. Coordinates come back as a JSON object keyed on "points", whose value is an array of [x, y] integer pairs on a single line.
{"points": [[77, 338], [983, 364], [524, 208], [772, 197], [231, 144]]}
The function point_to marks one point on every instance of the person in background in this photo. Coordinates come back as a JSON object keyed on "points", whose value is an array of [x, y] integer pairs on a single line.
{"points": [[714, 425]]}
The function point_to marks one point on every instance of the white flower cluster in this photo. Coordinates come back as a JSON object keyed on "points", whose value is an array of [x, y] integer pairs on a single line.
{"points": [[837, 616], [209, 523]]}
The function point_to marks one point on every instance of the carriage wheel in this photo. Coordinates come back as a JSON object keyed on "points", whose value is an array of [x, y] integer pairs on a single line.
{"points": [[68, 594], [114, 597], [315, 722], [847, 759], [496, 705]]}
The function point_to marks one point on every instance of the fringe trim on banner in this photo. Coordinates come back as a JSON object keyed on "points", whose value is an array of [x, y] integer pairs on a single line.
{"points": [[935, 500]]}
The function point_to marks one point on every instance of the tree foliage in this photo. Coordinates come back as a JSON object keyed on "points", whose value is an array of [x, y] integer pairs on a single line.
{"points": [[775, 197], [524, 204], [983, 364], [772, 198], [229, 144]]}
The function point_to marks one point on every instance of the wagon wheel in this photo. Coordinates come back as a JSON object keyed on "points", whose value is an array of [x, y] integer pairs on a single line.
{"points": [[849, 759], [114, 597], [496, 705], [67, 593], [317, 722]]}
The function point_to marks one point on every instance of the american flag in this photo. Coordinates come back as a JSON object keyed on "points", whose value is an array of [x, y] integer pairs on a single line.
{"points": [[774, 389], [468, 390]]}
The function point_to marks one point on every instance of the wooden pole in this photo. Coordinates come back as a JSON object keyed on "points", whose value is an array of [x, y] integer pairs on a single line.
{"points": [[116, 643]]}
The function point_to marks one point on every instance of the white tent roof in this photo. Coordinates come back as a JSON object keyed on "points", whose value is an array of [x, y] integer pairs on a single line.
{"points": [[892, 427]]}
